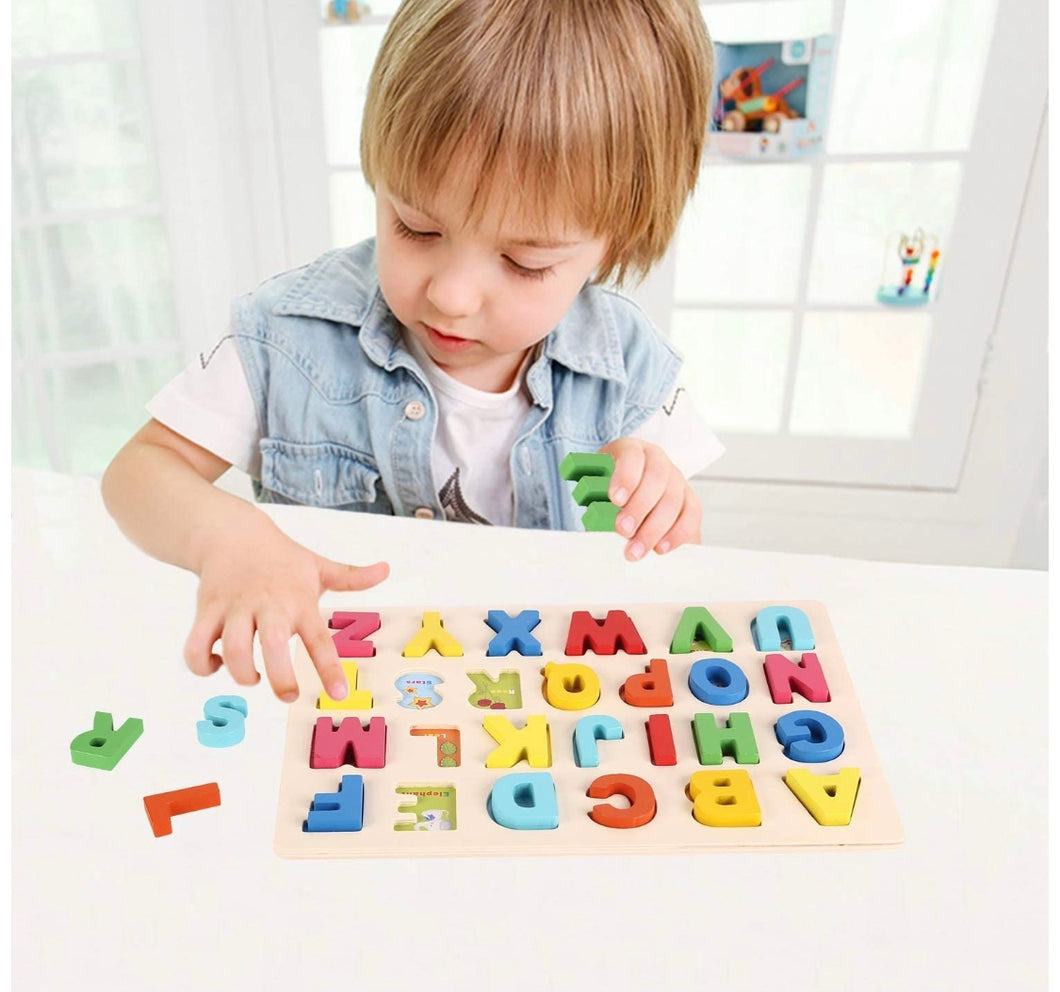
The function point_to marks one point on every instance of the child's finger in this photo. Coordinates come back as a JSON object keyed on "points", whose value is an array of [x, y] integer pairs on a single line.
{"points": [[199, 655], [321, 648], [653, 484], [341, 577], [686, 530], [274, 635], [629, 467], [237, 648], [660, 518]]}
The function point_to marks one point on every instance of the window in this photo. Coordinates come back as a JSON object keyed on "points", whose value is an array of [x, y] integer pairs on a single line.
{"points": [[777, 264], [94, 326], [770, 286], [347, 53]]}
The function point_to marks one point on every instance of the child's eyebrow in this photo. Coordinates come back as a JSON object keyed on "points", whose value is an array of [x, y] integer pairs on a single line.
{"points": [[538, 243], [512, 241]]}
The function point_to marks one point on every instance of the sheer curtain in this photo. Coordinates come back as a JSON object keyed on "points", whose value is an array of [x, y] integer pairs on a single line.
{"points": [[93, 314]]}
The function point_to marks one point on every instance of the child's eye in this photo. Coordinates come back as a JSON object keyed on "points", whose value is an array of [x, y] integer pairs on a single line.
{"points": [[526, 273], [404, 231]]}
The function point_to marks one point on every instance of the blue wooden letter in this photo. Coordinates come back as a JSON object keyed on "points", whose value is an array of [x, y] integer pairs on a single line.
{"points": [[589, 730], [524, 801], [809, 736], [338, 811], [513, 634], [717, 682]]}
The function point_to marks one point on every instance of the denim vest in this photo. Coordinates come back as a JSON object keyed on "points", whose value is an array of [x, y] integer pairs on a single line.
{"points": [[347, 416]]}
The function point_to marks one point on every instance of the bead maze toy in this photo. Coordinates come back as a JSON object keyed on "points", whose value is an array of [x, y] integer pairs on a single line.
{"points": [[652, 728], [918, 252]]}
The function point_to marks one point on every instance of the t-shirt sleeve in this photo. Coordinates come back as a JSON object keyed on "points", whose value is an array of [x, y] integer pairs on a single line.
{"points": [[210, 403], [678, 429]]}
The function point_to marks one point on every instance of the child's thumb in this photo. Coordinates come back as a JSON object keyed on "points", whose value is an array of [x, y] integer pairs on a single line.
{"points": [[339, 577]]}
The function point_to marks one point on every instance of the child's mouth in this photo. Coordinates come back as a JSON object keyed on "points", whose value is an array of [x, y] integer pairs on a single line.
{"points": [[447, 342]]}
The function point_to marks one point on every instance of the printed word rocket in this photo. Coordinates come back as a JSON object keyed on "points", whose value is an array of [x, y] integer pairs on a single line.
{"points": [[604, 730]]}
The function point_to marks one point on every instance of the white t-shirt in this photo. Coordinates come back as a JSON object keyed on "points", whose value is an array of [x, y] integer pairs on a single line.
{"points": [[210, 403], [475, 429]]}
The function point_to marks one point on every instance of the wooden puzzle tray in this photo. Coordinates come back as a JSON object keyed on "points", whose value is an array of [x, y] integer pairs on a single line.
{"points": [[695, 727]]}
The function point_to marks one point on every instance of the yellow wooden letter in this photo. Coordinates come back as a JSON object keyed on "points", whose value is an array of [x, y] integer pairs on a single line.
{"points": [[433, 635], [355, 700], [571, 686], [531, 742], [724, 799], [829, 798]]}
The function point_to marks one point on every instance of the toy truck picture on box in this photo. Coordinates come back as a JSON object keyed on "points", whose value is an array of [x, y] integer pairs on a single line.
{"points": [[745, 107], [772, 97]]}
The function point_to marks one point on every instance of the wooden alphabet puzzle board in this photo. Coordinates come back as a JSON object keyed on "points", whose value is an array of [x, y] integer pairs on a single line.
{"points": [[605, 730]]}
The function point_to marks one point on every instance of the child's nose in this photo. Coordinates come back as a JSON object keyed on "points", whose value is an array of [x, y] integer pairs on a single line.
{"points": [[455, 289]]}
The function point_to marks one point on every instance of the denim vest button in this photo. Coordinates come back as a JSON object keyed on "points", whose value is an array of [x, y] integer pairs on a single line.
{"points": [[424, 512], [414, 411]]}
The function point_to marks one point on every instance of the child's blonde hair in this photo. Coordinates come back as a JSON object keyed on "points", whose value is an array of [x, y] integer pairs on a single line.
{"points": [[597, 109]]}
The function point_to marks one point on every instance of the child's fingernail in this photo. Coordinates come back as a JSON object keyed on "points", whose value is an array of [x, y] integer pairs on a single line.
{"points": [[664, 546], [625, 525], [620, 497], [636, 551], [289, 697], [337, 690]]}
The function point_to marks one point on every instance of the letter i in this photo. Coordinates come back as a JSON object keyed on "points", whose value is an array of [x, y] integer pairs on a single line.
{"points": [[661, 740]]}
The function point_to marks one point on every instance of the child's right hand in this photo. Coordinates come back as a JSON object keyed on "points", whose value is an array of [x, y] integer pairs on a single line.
{"points": [[252, 577], [258, 580]]}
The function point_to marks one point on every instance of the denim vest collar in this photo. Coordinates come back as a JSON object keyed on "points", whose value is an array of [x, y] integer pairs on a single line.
{"points": [[339, 286]]}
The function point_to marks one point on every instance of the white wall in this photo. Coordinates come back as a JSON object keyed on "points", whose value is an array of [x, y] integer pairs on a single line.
{"points": [[998, 514]]}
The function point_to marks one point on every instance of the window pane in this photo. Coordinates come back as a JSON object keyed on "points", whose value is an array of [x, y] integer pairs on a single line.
{"points": [[908, 74], [99, 284], [39, 29], [769, 20], [101, 406], [352, 208], [740, 238], [81, 138], [863, 211], [28, 297], [346, 58], [737, 361], [859, 374]]}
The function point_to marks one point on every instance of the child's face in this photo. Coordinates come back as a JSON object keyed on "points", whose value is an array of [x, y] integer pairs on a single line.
{"points": [[478, 296]]}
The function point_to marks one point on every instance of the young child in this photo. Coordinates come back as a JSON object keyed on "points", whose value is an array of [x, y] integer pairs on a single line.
{"points": [[520, 154]]}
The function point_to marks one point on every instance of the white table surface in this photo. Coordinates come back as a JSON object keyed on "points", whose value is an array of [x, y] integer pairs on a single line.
{"points": [[949, 666]]}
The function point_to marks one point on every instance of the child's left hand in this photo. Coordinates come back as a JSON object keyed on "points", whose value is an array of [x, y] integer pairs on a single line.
{"points": [[658, 509]]}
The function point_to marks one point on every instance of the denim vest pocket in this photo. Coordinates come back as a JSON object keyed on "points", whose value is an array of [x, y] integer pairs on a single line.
{"points": [[323, 474]]}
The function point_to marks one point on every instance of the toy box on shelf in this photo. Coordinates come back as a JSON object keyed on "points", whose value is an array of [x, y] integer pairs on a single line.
{"points": [[771, 100]]}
